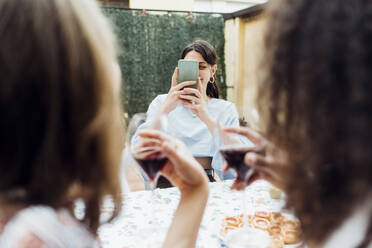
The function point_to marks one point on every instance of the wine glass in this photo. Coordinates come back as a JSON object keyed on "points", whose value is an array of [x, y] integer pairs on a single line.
{"points": [[233, 148], [145, 151], [149, 158]]}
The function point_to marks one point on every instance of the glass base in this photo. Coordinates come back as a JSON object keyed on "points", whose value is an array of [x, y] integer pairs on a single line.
{"points": [[152, 236], [247, 238]]}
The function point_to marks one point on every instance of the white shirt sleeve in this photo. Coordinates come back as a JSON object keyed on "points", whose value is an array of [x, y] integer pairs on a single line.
{"points": [[150, 115], [351, 233]]}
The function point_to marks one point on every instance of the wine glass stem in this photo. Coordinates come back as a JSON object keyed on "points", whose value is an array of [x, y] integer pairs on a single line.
{"points": [[244, 209], [153, 219]]}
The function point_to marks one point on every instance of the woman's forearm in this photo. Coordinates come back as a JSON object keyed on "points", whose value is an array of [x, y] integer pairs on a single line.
{"points": [[185, 225], [210, 123], [155, 124]]}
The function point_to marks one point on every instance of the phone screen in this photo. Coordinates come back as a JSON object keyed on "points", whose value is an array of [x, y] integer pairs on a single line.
{"points": [[188, 70]]}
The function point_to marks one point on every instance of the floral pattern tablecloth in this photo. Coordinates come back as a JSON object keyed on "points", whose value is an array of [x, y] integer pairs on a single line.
{"points": [[143, 211]]}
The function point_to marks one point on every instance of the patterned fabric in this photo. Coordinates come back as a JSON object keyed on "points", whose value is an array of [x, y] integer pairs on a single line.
{"points": [[42, 226], [145, 218]]}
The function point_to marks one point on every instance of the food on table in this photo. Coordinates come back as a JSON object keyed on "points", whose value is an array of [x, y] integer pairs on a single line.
{"points": [[226, 229], [291, 236], [262, 214], [233, 221], [275, 193], [291, 225], [281, 229], [260, 223], [276, 242], [274, 229], [276, 217]]}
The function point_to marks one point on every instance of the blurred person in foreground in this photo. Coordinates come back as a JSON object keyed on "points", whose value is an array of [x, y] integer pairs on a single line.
{"points": [[60, 129], [315, 102]]}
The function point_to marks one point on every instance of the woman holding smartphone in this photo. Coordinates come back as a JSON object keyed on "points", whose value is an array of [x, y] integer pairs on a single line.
{"points": [[192, 112], [315, 107]]}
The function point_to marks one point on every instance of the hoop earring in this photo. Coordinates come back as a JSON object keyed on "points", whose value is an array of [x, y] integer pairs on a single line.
{"points": [[212, 80]]}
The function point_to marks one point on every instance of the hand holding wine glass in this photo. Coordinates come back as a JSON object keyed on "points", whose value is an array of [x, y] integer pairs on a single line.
{"points": [[187, 174], [156, 152], [181, 168], [147, 152], [269, 163], [233, 147]]}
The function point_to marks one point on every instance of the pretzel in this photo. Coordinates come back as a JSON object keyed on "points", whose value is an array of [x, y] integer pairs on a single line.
{"points": [[291, 225], [276, 218], [291, 236], [260, 223], [274, 230], [232, 221], [276, 242], [262, 214], [226, 229]]}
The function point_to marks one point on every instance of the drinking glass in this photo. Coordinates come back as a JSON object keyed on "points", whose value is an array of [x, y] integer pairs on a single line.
{"points": [[150, 159], [233, 148], [145, 151]]}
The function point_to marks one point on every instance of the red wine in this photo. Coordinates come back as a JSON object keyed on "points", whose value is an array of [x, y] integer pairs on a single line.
{"points": [[234, 157], [151, 161]]}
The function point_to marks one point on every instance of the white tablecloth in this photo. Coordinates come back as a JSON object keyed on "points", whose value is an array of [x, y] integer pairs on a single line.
{"points": [[142, 211]]}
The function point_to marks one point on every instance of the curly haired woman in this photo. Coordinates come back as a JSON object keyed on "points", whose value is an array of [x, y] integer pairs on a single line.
{"points": [[315, 102]]}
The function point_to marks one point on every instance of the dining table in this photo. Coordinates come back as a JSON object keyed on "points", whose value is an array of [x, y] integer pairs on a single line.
{"points": [[146, 216]]}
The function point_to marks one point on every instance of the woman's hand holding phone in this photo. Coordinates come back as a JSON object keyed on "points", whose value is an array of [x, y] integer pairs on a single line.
{"points": [[193, 99], [270, 164], [174, 93], [189, 97]]}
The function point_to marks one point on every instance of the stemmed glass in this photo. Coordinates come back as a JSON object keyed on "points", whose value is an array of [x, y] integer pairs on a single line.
{"points": [[233, 148], [148, 155], [145, 151]]}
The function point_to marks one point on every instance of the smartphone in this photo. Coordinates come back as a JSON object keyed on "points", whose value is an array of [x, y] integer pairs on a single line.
{"points": [[188, 70]]}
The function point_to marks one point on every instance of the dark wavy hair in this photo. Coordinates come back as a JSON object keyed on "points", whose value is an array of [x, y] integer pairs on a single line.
{"points": [[60, 127], [209, 55], [315, 100]]}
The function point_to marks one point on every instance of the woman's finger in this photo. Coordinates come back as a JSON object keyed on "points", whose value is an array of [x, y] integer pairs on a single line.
{"points": [[190, 98], [200, 87], [189, 105], [170, 150], [147, 143], [176, 93], [259, 163], [183, 85], [185, 168], [252, 135], [254, 177], [191, 91], [154, 134], [175, 77], [254, 159]]}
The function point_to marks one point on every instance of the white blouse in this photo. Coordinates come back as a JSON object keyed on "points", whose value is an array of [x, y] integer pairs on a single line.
{"points": [[54, 228], [184, 125]]}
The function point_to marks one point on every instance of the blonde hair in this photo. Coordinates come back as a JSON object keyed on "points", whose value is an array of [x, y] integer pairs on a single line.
{"points": [[60, 104]]}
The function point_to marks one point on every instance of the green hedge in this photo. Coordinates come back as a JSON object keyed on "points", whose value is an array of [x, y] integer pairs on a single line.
{"points": [[150, 48]]}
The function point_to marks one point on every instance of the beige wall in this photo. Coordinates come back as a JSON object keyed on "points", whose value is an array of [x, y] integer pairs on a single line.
{"points": [[242, 53], [186, 5]]}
